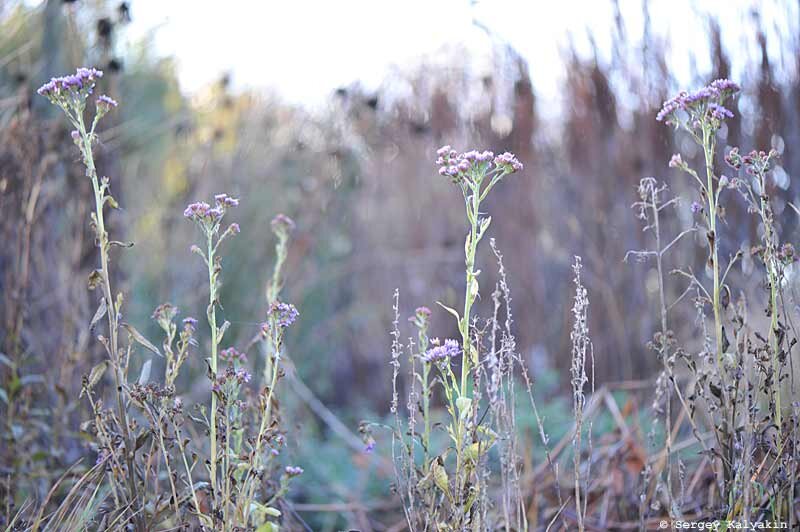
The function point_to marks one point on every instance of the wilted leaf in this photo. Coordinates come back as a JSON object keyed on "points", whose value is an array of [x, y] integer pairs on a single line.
{"points": [[139, 337], [450, 310], [95, 375], [440, 477], [222, 330], [95, 278], [98, 315]]}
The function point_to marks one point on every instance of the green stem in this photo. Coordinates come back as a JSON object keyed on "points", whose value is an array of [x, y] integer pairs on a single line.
{"points": [[708, 150], [212, 321], [466, 362]]}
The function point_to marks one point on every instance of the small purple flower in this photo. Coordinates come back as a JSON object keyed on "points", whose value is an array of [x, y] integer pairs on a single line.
{"points": [[421, 316], [719, 112], [508, 162], [197, 211], [445, 351], [696, 207], [243, 376], [190, 323], [223, 201], [285, 314], [676, 161], [370, 446], [293, 471], [105, 104], [282, 224], [234, 229], [231, 355]]}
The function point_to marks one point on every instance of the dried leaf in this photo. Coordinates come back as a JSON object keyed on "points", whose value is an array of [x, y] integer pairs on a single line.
{"points": [[98, 315], [139, 337], [95, 278], [95, 375]]}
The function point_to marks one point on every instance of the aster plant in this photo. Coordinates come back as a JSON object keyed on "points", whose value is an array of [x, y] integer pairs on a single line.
{"points": [[444, 485], [239, 462], [72, 94], [740, 370]]}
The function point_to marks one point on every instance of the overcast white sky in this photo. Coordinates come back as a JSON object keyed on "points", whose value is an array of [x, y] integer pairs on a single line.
{"points": [[304, 48]]}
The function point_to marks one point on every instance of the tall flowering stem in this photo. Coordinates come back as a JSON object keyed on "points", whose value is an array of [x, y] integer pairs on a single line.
{"points": [[476, 173], [209, 219], [280, 316], [702, 114], [71, 94], [282, 227]]}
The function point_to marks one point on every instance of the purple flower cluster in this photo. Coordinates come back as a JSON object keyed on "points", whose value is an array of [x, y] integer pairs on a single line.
{"points": [[458, 166], [445, 351], [225, 201], [421, 317], [284, 313], [204, 213], [755, 163], [105, 104], [190, 323], [81, 83], [508, 162], [708, 99], [232, 355], [231, 375], [719, 112], [294, 471]]}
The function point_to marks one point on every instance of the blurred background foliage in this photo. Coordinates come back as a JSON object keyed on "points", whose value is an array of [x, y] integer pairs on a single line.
{"points": [[357, 176]]}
